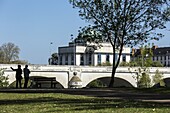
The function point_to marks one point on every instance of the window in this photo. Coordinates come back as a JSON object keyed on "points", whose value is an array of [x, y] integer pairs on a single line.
{"points": [[61, 59], [124, 58], [81, 59], [90, 59], [66, 60], [164, 57], [72, 59], [164, 63], [99, 59], [107, 58]]}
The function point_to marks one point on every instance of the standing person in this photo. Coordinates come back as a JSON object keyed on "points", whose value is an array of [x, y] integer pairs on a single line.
{"points": [[18, 76], [26, 75]]}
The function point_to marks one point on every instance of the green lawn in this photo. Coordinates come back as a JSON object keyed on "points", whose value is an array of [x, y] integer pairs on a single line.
{"points": [[56, 103]]}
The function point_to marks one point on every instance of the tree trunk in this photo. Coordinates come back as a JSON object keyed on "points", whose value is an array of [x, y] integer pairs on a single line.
{"points": [[111, 84]]}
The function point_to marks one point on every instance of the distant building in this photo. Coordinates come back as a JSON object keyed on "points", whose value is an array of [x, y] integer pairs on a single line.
{"points": [[81, 53], [161, 54]]}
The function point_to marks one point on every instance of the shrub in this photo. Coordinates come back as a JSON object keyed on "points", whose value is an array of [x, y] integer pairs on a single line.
{"points": [[106, 64], [144, 81], [95, 84], [156, 64], [158, 78], [142, 77], [3, 79], [124, 64]]}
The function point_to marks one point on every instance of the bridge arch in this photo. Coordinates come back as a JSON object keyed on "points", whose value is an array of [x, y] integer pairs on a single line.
{"points": [[119, 82], [167, 81], [89, 77]]}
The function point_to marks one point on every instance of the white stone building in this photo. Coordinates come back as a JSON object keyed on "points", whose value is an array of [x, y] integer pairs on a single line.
{"points": [[80, 53]]}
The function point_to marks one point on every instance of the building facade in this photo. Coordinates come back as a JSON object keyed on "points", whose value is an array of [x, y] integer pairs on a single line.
{"points": [[160, 54], [81, 54]]}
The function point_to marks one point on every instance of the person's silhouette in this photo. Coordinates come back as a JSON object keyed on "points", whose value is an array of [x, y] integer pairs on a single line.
{"points": [[26, 75], [18, 76]]}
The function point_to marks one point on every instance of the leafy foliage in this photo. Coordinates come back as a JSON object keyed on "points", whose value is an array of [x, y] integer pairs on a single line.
{"points": [[158, 78], [144, 80], [144, 58], [3, 79], [146, 55], [123, 22], [129, 64], [96, 83], [105, 64], [142, 77], [129, 21], [156, 64], [138, 63], [54, 59]]}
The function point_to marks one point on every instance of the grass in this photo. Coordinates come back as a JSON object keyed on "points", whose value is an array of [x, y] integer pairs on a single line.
{"points": [[64, 103]]}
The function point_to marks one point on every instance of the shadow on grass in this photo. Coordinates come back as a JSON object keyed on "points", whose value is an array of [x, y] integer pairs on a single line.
{"points": [[102, 99], [84, 103]]}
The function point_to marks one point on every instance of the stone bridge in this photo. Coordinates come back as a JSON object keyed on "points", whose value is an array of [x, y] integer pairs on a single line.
{"points": [[87, 74]]}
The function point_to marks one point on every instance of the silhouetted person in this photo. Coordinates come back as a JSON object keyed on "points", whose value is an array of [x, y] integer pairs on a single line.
{"points": [[26, 75], [18, 76]]}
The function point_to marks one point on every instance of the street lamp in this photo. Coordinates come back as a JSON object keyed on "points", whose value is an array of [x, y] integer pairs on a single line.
{"points": [[50, 47], [74, 52], [50, 58]]}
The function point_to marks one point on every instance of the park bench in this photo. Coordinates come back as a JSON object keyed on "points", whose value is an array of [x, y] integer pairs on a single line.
{"points": [[45, 80]]}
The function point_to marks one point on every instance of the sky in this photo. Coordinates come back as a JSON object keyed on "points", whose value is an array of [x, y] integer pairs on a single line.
{"points": [[33, 24]]}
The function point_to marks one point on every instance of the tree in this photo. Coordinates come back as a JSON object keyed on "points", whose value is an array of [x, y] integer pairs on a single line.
{"points": [[124, 22], [9, 52], [3, 80], [145, 57], [143, 77], [1, 56], [146, 54], [54, 59], [158, 78]]}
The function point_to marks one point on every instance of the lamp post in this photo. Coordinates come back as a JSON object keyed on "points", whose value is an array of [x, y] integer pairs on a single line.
{"points": [[74, 52], [50, 59], [74, 49], [51, 48]]}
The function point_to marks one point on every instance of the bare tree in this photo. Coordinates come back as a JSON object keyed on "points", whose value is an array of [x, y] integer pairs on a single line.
{"points": [[124, 22], [9, 52]]}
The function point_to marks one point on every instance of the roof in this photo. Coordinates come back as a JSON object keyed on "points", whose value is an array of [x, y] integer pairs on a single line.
{"points": [[161, 51]]}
